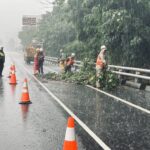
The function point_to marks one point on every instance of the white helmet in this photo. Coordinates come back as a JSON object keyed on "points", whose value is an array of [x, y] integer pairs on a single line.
{"points": [[103, 47], [73, 54], [41, 49], [37, 50]]}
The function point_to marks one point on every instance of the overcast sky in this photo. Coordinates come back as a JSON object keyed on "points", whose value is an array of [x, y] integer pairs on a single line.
{"points": [[11, 12]]}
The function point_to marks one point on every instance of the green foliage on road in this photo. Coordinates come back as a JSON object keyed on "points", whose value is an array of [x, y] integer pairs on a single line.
{"points": [[108, 80], [87, 75], [81, 26]]}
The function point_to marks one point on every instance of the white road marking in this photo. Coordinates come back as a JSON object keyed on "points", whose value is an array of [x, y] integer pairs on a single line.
{"points": [[121, 100], [84, 126]]}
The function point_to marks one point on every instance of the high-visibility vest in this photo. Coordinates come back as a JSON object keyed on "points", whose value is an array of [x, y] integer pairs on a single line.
{"points": [[70, 61], [99, 62]]}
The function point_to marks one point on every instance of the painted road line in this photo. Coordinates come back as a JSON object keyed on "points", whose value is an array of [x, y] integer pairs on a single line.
{"points": [[120, 99], [81, 123]]}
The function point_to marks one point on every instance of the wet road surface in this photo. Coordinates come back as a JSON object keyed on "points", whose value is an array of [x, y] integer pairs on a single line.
{"points": [[39, 126], [136, 96], [120, 126]]}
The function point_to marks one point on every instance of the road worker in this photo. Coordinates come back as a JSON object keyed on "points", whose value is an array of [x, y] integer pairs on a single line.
{"points": [[2, 60], [62, 59], [36, 64], [100, 64], [41, 61], [69, 63]]}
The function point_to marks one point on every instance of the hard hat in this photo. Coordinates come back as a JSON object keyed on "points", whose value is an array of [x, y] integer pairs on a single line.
{"points": [[103, 47], [73, 54], [37, 50], [41, 49]]}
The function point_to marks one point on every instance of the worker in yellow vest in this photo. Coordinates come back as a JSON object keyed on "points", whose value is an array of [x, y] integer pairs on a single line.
{"points": [[70, 62], [100, 64], [62, 59]]}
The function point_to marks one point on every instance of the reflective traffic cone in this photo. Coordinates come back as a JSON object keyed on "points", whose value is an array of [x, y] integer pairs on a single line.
{"points": [[11, 69], [13, 78], [25, 99], [70, 141]]}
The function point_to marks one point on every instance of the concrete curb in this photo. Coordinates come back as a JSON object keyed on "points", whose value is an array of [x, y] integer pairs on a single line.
{"points": [[134, 85]]}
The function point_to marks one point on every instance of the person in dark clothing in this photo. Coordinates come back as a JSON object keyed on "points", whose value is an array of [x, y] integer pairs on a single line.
{"points": [[2, 60], [41, 61]]}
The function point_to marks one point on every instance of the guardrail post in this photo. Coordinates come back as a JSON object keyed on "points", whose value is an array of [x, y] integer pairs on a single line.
{"points": [[136, 80], [121, 77]]}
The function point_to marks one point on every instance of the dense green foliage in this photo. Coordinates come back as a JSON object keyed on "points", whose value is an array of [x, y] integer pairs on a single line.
{"points": [[27, 35], [87, 75], [81, 26]]}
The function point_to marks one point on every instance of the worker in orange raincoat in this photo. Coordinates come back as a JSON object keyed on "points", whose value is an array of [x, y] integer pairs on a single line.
{"points": [[36, 64], [100, 64], [69, 63]]}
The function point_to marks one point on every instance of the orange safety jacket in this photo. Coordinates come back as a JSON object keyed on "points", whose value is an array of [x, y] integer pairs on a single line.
{"points": [[99, 62], [70, 61]]}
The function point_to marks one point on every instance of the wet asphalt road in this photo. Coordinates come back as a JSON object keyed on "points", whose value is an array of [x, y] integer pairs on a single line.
{"points": [[41, 126]]}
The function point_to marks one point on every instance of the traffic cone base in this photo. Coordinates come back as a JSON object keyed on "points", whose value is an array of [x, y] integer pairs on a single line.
{"points": [[13, 83], [25, 103], [9, 76], [25, 99], [70, 145]]}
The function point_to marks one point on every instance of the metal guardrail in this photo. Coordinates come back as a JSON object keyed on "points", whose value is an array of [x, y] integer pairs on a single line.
{"points": [[51, 59], [120, 70], [130, 68]]}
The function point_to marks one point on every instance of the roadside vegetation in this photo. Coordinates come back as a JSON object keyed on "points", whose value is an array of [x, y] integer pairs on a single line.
{"points": [[82, 26], [86, 75]]}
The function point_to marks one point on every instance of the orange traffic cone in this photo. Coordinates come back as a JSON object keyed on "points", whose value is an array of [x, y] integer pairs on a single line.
{"points": [[12, 67], [10, 71], [25, 99], [70, 141], [13, 78]]}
